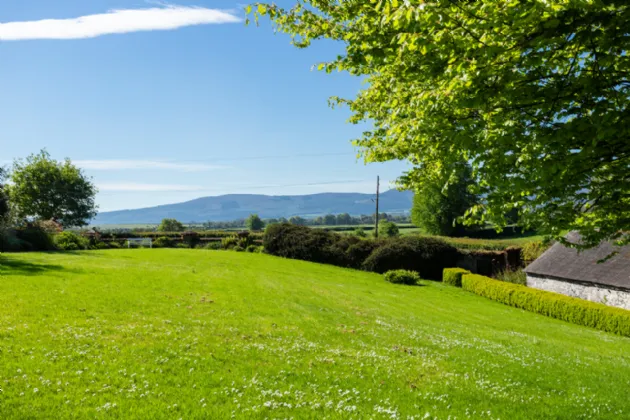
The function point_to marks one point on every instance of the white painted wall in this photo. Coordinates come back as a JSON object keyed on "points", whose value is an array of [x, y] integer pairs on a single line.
{"points": [[598, 294]]}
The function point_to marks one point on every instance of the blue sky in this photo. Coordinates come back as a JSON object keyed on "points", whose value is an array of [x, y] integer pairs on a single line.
{"points": [[158, 116]]}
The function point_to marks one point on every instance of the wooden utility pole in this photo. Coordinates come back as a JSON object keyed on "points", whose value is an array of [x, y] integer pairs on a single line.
{"points": [[376, 218]]}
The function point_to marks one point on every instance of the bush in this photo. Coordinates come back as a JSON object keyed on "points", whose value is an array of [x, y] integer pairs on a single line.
{"points": [[360, 232], [9, 242], [191, 238], [38, 238], [425, 255], [402, 277], [70, 241], [453, 276], [213, 246], [182, 245], [388, 229], [357, 253], [576, 311], [254, 248], [533, 250], [238, 248], [301, 243], [100, 245], [163, 242], [229, 242], [114, 245], [512, 276]]}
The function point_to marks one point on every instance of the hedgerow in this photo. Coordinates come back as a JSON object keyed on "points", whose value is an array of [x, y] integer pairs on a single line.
{"points": [[453, 276], [576, 311], [402, 277]]}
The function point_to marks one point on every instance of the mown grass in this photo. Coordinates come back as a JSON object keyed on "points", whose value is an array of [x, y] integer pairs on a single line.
{"points": [[173, 333]]}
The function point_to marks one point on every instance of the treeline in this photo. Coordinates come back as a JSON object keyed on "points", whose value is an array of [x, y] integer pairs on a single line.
{"points": [[343, 219]]}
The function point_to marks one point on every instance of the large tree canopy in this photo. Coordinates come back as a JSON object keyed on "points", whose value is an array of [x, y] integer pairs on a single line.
{"points": [[534, 94], [436, 209], [43, 189]]}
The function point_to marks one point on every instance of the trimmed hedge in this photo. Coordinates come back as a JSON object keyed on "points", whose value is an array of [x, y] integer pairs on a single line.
{"points": [[576, 311], [453, 276]]}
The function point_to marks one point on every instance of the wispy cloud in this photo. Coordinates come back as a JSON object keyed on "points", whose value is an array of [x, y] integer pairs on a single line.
{"points": [[115, 22], [139, 187], [123, 164]]}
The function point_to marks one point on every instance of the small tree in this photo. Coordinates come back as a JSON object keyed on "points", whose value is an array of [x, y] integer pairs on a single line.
{"points": [[297, 220], [330, 220], [438, 205], [389, 229], [4, 199], [254, 223], [344, 219], [170, 225], [44, 189]]}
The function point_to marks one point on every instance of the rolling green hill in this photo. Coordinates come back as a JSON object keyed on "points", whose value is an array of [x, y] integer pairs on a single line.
{"points": [[174, 333], [235, 206]]}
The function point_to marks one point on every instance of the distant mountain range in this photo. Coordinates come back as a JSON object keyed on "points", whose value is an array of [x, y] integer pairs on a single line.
{"points": [[237, 206]]}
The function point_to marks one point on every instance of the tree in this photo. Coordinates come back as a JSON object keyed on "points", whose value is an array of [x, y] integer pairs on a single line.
{"points": [[438, 205], [4, 199], [254, 223], [535, 95], [344, 219], [44, 189], [170, 225], [388, 229], [330, 220], [297, 220]]}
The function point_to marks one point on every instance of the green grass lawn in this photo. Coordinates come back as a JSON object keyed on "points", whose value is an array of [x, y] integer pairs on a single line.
{"points": [[174, 333]]}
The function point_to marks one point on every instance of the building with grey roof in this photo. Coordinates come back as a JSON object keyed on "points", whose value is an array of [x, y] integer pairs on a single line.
{"points": [[580, 274]]}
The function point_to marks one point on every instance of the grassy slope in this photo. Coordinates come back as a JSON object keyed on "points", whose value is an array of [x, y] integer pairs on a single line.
{"points": [[135, 328]]}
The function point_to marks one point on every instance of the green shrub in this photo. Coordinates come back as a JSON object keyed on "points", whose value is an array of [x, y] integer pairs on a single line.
{"points": [[191, 238], [39, 239], [163, 242], [100, 245], [453, 276], [213, 246], [114, 244], [512, 276], [252, 248], [388, 229], [360, 232], [357, 253], [402, 277], [182, 245], [301, 243], [425, 255], [238, 248], [576, 311], [230, 242], [533, 250], [70, 241], [9, 242]]}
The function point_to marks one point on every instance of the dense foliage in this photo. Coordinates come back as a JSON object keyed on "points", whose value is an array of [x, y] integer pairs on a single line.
{"points": [[388, 229], [427, 256], [254, 223], [170, 225], [439, 203], [402, 277], [536, 95], [576, 311], [70, 241], [453, 276], [44, 189]]}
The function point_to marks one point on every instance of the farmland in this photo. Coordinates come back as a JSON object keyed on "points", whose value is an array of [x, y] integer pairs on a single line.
{"points": [[180, 333]]}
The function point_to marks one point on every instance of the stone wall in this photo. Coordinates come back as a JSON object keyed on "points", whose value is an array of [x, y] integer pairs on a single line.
{"points": [[595, 293]]}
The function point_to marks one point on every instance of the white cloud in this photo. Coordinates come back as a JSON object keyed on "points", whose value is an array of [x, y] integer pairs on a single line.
{"points": [[139, 187], [115, 22], [122, 164]]}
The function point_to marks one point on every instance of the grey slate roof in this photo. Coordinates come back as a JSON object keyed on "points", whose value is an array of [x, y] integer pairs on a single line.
{"points": [[566, 263]]}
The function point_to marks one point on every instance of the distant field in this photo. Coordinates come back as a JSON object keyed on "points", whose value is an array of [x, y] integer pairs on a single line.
{"points": [[171, 333]]}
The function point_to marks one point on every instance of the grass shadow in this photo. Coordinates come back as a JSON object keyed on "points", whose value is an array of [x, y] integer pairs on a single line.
{"points": [[9, 266]]}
